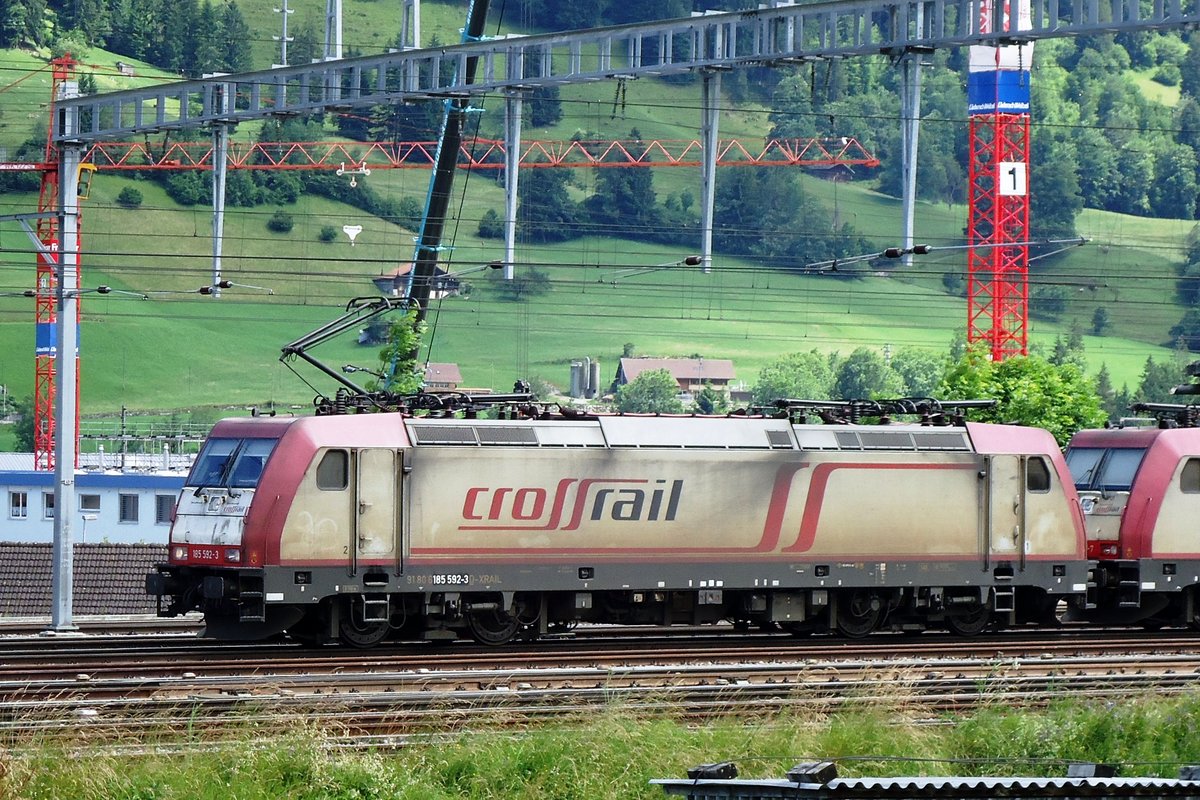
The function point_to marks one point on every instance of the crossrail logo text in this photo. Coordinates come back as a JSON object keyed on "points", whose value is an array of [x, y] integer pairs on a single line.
{"points": [[571, 502]]}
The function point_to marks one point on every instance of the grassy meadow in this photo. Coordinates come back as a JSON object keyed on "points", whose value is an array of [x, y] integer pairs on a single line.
{"points": [[614, 753], [179, 349]]}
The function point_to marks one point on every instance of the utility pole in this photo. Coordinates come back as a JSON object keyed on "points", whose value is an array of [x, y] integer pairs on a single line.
{"points": [[284, 39], [333, 29], [66, 366]]}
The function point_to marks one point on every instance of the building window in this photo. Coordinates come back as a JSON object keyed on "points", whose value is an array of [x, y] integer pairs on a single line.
{"points": [[89, 502], [47, 505], [18, 505], [164, 505], [129, 507]]}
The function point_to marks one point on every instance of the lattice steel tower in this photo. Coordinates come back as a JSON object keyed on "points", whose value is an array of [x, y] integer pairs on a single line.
{"points": [[998, 187]]}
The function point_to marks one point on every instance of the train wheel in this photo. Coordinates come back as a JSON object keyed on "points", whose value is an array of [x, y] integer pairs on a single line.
{"points": [[357, 632], [858, 613], [970, 622], [493, 627]]}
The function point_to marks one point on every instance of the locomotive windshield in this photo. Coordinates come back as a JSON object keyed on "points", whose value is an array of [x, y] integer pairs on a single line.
{"points": [[1109, 469], [231, 463]]}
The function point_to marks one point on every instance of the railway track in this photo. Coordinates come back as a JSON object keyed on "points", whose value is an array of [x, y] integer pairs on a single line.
{"points": [[173, 688]]}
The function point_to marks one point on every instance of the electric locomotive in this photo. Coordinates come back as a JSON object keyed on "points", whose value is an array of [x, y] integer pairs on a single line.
{"points": [[434, 522]]}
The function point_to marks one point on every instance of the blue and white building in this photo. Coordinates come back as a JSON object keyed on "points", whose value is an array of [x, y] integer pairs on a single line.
{"points": [[132, 504]]}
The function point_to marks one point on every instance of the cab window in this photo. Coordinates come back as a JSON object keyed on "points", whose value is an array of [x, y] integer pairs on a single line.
{"points": [[1189, 478], [213, 462], [1119, 468], [1037, 475], [249, 463], [1105, 469], [230, 463], [333, 471]]}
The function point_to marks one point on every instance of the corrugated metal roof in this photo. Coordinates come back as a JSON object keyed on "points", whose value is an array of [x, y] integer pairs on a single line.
{"points": [[108, 578], [913, 788], [90, 462]]}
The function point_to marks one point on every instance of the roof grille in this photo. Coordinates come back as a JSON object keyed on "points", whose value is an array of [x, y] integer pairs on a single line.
{"points": [[779, 440], [940, 441], [506, 435], [901, 440], [444, 434], [885, 440], [474, 435]]}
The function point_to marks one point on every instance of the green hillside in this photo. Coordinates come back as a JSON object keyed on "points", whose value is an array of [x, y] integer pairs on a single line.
{"points": [[179, 349]]}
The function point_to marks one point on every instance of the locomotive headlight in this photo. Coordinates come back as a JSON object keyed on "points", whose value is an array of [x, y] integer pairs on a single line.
{"points": [[233, 555], [179, 552]]}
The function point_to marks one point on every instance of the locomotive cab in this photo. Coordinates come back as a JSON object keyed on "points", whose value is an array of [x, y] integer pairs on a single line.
{"points": [[1103, 478], [211, 566], [1139, 489]]}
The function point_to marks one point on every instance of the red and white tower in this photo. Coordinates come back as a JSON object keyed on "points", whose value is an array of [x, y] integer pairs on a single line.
{"points": [[998, 187], [46, 293]]}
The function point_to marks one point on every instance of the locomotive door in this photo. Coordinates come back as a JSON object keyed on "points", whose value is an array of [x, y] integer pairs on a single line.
{"points": [[1005, 509], [375, 518]]}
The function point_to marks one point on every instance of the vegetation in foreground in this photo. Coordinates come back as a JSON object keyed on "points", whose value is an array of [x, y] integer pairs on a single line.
{"points": [[614, 754]]}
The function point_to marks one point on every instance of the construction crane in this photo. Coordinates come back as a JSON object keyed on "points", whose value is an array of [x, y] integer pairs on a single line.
{"points": [[478, 153], [45, 234], [998, 190], [45, 291]]}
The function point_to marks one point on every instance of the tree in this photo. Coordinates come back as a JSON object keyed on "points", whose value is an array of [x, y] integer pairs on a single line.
{"points": [[1108, 395], [1173, 193], [864, 374], [281, 221], [23, 428], [398, 365], [1189, 70], [792, 230], [90, 18], [546, 212], [22, 23], [1029, 390], [1100, 320], [1055, 199], [653, 392], [920, 370], [1158, 378], [172, 42], [129, 197], [490, 225], [530, 283], [625, 201], [234, 40], [1187, 330], [804, 376], [711, 401]]}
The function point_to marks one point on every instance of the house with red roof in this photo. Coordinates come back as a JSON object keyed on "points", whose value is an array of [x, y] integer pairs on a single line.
{"points": [[692, 374], [446, 377]]}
